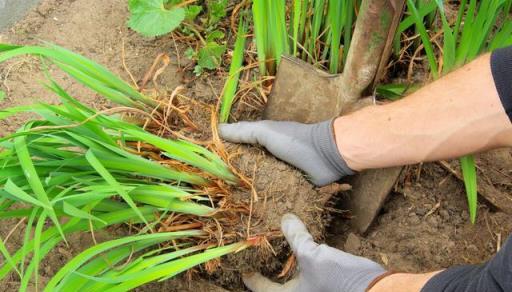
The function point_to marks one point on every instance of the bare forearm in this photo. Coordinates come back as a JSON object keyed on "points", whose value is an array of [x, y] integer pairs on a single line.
{"points": [[453, 116], [402, 282]]}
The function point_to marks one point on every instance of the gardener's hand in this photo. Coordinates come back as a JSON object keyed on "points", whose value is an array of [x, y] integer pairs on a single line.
{"points": [[321, 268], [310, 147]]}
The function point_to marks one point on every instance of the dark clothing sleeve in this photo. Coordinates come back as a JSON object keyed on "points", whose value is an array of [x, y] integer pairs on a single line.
{"points": [[495, 275], [501, 67]]}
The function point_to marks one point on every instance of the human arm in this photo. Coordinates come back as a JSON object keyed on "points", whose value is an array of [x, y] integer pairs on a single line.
{"points": [[458, 114], [403, 282]]}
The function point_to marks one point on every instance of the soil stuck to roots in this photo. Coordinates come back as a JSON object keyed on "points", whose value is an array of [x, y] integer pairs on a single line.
{"points": [[279, 189]]}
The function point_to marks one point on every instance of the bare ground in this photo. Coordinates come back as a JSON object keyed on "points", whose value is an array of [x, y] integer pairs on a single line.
{"points": [[424, 225]]}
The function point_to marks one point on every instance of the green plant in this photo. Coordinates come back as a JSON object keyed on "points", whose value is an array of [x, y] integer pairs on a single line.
{"points": [[270, 33], [216, 11], [94, 170], [394, 91], [475, 30], [319, 32], [159, 17], [209, 55], [229, 92]]}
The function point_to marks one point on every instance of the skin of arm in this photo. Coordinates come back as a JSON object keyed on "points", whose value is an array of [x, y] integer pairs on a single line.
{"points": [[402, 282], [456, 115]]}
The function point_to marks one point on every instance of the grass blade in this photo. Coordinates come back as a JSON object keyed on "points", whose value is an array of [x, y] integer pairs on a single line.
{"points": [[467, 164], [259, 7], [17, 192], [449, 41], [96, 164], [425, 38], [30, 172], [297, 10], [231, 85], [91, 252], [75, 212], [175, 267], [7, 256]]}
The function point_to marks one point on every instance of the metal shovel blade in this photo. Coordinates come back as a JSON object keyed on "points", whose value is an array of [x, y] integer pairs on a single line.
{"points": [[302, 93]]}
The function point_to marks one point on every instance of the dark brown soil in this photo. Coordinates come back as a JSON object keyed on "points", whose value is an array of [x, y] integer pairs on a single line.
{"points": [[424, 226]]}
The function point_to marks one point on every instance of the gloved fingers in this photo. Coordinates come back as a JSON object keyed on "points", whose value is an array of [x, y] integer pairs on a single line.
{"points": [[241, 132], [297, 235], [258, 283]]}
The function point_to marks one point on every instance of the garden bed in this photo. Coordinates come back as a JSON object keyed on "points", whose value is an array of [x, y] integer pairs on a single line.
{"points": [[424, 225]]}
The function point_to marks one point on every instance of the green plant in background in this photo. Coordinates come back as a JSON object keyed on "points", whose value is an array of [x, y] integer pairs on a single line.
{"points": [[229, 92], [159, 17], [270, 33], [479, 27], [209, 54], [319, 32], [87, 167]]}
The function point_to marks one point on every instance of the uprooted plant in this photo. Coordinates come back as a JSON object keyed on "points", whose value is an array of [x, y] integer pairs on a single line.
{"points": [[84, 170]]}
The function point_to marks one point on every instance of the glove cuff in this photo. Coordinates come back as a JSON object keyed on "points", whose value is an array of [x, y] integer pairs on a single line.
{"points": [[325, 143]]}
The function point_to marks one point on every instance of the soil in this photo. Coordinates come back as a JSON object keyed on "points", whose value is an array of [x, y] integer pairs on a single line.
{"points": [[423, 226]]}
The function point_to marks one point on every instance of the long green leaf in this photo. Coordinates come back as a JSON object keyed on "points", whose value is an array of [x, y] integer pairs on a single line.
{"points": [[467, 164], [449, 41], [234, 72], [91, 252], [175, 267], [75, 212], [17, 192], [33, 180], [96, 164], [7, 257], [425, 38]]}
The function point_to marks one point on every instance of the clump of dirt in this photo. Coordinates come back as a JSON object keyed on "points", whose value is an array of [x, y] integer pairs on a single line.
{"points": [[279, 189]]}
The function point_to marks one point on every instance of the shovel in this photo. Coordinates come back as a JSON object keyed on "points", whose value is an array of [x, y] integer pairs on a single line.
{"points": [[306, 94]]}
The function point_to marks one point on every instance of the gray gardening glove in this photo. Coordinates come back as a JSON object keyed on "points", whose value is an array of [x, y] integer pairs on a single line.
{"points": [[310, 147], [321, 268]]}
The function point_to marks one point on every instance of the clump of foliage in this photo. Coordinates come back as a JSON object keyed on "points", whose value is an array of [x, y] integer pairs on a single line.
{"points": [[319, 32], [209, 53], [84, 170], [160, 17]]}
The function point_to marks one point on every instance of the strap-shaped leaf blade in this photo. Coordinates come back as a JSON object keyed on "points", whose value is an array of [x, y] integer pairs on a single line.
{"points": [[20, 144], [107, 176]]}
